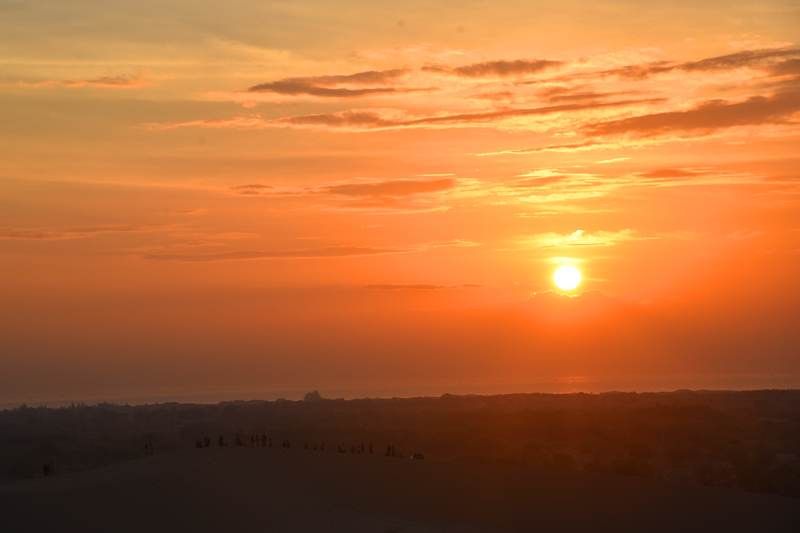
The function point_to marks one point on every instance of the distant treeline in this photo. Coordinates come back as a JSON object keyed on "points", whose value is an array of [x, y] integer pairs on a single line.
{"points": [[745, 440]]}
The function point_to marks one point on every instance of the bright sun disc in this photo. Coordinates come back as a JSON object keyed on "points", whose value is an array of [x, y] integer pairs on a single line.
{"points": [[567, 278]]}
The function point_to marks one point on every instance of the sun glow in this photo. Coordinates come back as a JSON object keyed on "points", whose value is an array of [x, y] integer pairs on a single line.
{"points": [[567, 278]]}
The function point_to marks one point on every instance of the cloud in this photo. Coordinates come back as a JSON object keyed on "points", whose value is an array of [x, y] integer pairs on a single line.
{"points": [[333, 251], [239, 123], [536, 214], [555, 305], [353, 119], [550, 185], [667, 173], [744, 59], [744, 234], [498, 95], [579, 238], [338, 86], [367, 119], [309, 253], [197, 244], [198, 211], [707, 117], [501, 68], [560, 197], [253, 189], [390, 188], [574, 147], [554, 185], [561, 94], [571, 105], [790, 67], [359, 188], [420, 286], [108, 82], [668, 177], [53, 234], [366, 196], [488, 116], [751, 41]]}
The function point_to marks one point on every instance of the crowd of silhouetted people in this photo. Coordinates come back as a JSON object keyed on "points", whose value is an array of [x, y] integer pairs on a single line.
{"points": [[266, 442], [258, 440]]}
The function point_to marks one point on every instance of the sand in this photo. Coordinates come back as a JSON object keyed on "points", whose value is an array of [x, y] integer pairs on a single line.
{"points": [[274, 489]]}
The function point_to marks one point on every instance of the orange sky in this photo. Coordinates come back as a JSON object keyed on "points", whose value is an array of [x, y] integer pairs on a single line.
{"points": [[285, 196]]}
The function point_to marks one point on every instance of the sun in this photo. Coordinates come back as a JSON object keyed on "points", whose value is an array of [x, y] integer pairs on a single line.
{"points": [[567, 278]]}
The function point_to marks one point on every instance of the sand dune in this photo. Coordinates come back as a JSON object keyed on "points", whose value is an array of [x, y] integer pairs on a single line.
{"points": [[273, 489]]}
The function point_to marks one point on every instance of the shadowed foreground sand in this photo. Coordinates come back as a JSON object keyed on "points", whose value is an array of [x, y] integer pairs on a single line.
{"points": [[272, 489]]}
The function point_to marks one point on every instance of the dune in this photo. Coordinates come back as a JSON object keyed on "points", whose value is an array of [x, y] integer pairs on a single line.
{"points": [[273, 489]]}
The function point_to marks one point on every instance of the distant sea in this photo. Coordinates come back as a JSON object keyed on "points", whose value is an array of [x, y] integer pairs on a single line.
{"points": [[558, 385]]}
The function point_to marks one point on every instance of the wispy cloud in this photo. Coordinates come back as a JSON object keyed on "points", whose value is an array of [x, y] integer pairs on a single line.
{"points": [[109, 82], [560, 196], [308, 253], [368, 196], [368, 83], [578, 238], [615, 102], [186, 212], [754, 59], [373, 119], [419, 286], [251, 189], [707, 117], [572, 147], [500, 68], [671, 173], [80, 232], [389, 188], [357, 188]]}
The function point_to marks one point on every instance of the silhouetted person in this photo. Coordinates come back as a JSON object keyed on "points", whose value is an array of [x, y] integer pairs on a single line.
{"points": [[46, 469], [370, 448], [306, 445], [323, 446], [270, 442], [252, 440], [315, 447], [221, 441]]}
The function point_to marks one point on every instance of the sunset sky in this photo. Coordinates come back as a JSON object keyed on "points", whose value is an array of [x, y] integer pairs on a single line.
{"points": [[371, 199]]}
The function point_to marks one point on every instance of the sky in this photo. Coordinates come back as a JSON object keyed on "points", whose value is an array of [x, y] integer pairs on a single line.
{"points": [[248, 197]]}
